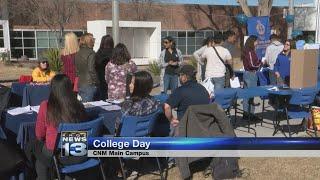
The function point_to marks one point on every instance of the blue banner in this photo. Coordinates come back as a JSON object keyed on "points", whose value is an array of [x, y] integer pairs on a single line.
{"points": [[154, 143], [260, 27]]}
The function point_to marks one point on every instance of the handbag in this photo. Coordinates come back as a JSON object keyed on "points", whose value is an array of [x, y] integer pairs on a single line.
{"points": [[229, 71]]}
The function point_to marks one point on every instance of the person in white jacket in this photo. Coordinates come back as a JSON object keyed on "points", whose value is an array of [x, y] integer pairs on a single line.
{"points": [[198, 56], [272, 52]]}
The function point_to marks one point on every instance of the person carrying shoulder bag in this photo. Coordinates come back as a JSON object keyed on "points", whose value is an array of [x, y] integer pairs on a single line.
{"points": [[217, 58]]}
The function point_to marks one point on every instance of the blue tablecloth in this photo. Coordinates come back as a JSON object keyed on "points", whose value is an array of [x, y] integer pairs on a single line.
{"points": [[13, 123], [17, 88], [23, 125], [33, 95], [16, 94]]}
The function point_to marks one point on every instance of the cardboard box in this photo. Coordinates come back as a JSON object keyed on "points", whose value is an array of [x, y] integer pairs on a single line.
{"points": [[304, 68]]}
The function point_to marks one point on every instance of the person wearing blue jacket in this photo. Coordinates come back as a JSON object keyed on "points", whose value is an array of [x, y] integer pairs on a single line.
{"points": [[282, 65]]}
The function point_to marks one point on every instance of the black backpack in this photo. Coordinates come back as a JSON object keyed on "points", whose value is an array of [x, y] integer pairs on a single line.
{"points": [[225, 168]]}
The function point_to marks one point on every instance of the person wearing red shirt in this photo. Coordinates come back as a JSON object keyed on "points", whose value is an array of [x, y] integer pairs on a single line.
{"points": [[251, 64], [61, 107], [68, 54]]}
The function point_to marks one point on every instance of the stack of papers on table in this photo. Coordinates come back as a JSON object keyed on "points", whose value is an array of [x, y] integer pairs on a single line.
{"points": [[274, 89], [20, 110], [35, 108], [111, 108], [99, 103], [235, 83]]}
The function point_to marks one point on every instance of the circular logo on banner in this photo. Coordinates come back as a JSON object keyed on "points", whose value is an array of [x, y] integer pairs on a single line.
{"points": [[260, 29]]}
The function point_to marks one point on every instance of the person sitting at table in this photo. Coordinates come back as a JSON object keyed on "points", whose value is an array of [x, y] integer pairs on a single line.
{"points": [[282, 65], [61, 107], [140, 102], [117, 70], [189, 93], [42, 73], [251, 64]]}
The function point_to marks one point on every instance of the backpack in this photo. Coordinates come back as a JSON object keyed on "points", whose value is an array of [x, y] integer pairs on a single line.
{"points": [[225, 168]]}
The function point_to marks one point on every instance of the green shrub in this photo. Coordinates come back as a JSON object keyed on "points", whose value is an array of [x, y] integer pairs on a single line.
{"points": [[193, 62], [53, 56], [154, 68], [5, 58]]}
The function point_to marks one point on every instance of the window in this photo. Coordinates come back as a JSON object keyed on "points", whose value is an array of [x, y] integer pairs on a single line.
{"points": [[1, 43], [174, 34], [163, 34], [188, 41], [16, 53]]}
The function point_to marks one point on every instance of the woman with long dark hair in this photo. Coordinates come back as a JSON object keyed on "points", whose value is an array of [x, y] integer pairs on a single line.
{"points": [[170, 58], [103, 56], [251, 64], [140, 102], [61, 107], [117, 70]]}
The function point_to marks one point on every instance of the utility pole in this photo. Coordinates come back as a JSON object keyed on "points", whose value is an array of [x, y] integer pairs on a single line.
{"points": [[115, 21], [318, 22], [290, 25]]}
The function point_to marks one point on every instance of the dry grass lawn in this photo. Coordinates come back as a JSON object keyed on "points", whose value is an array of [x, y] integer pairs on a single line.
{"points": [[13, 71]]}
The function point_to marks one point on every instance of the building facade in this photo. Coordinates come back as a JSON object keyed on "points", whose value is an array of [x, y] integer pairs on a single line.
{"points": [[188, 24]]}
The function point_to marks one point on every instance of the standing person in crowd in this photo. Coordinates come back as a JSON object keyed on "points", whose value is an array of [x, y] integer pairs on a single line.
{"points": [[251, 64], [170, 58], [230, 41], [117, 71], [189, 93], [272, 52], [68, 54], [282, 65], [216, 57], [85, 68], [198, 56], [103, 56], [42, 73], [61, 107]]}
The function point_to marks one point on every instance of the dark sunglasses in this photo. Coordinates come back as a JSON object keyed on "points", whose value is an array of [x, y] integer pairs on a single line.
{"points": [[44, 62]]}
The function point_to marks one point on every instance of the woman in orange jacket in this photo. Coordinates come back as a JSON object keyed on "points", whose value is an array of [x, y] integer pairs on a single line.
{"points": [[42, 73]]}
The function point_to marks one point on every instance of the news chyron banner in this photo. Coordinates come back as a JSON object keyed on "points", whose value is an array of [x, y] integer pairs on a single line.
{"points": [[77, 144]]}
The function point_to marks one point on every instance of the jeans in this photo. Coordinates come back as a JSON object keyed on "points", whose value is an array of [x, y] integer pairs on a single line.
{"points": [[88, 93], [170, 82], [203, 71], [250, 80], [218, 82], [272, 78]]}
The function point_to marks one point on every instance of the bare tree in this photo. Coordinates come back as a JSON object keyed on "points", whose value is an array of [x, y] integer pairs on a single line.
{"points": [[263, 9], [144, 10], [54, 14], [4, 9]]}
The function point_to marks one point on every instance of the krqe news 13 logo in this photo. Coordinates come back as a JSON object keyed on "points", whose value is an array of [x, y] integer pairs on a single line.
{"points": [[74, 143]]}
